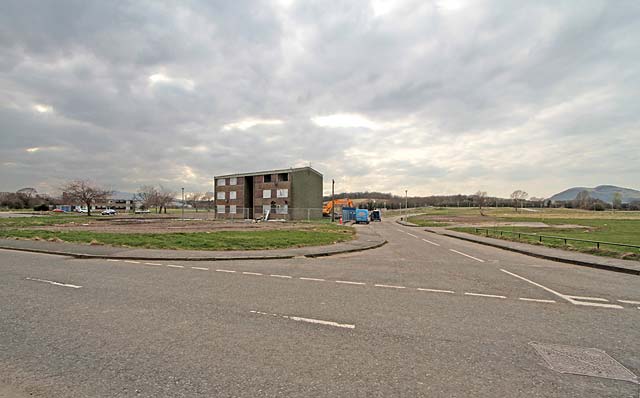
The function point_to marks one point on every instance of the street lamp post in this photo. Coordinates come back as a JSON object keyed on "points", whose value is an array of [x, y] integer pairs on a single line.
{"points": [[182, 203], [406, 205]]}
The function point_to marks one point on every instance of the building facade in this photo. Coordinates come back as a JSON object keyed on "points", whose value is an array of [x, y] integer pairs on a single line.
{"points": [[288, 194]]}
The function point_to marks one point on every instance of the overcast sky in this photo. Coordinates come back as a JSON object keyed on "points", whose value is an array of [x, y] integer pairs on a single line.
{"points": [[439, 97]]}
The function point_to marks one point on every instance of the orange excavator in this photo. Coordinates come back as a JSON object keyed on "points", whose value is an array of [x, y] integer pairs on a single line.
{"points": [[328, 207]]}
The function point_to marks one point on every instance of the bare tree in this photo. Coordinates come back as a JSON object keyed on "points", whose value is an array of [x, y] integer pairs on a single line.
{"points": [[194, 199], [208, 198], [481, 198], [582, 200], [85, 192], [165, 197], [518, 196], [616, 202], [147, 195]]}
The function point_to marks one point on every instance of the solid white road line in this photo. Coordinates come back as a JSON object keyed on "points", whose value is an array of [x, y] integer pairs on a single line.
{"points": [[312, 279], [563, 296], [466, 255], [226, 270], [483, 295], [351, 283], [308, 320], [153, 264], [281, 276], [629, 302], [132, 262], [434, 290], [175, 266], [411, 235], [588, 298], [200, 268], [536, 300], [433, 243], [54, 283], [252, 273], [391, 286]]}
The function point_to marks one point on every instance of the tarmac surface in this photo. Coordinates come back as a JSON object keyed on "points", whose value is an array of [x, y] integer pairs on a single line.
{"points": [[423, 315]]}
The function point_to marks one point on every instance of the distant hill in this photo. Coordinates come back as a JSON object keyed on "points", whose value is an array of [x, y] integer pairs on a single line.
{"points": [[602, 192]]}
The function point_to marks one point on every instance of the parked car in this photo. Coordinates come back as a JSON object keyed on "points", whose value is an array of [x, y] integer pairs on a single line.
{"points": [[109, 212], [81, 210], [140, 211], [57, 211]]}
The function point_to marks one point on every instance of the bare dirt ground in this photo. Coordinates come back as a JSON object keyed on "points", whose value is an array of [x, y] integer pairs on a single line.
{"points": [[166, 225]]}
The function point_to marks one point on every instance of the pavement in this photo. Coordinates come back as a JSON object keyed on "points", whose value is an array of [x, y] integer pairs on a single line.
{"points": [[425, 315], [549, 253], [366, 239]]}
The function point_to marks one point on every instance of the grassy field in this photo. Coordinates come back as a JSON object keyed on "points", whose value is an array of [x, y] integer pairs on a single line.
{"points": [[605, 226], [221, 240]]}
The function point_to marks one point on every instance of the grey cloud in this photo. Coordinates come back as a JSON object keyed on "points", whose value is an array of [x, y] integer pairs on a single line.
{"points": [[493, 95]]}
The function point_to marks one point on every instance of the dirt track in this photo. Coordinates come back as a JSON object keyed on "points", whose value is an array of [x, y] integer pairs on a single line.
{"points": [[166, 225]]}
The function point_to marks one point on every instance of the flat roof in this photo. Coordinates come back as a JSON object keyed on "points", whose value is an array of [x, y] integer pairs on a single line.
{"points": [[258, 173]]}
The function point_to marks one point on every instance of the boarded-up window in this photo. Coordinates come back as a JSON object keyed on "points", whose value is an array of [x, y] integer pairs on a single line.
{"points": [[220, 209], [220, 195], [284, 209], [232, 209], [283, 193], [232, 194], [266, 194], [221, 182], [233, 181], [265, 209]]}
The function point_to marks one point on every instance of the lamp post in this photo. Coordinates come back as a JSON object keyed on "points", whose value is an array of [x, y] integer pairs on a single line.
{"points": [[406, 205], [333, 202], [183, 204]]}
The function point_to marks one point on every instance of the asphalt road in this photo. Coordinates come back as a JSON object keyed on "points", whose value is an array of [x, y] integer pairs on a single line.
{"points": [[424, 315]]}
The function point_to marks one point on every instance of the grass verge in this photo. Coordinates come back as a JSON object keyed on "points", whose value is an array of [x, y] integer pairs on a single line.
{"points": [[613, 231], [222, 240]]}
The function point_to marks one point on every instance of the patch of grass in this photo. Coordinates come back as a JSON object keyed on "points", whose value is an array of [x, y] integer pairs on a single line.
{"points": [[38, 221], [604, 230], [222, 240], [427, 223]]}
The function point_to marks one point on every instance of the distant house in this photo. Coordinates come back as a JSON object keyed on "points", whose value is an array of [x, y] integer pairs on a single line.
{"points": [[287, 194]]}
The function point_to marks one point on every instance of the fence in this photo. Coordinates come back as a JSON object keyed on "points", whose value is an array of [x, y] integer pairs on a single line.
{"points": [[562, 238], [270, 213]]}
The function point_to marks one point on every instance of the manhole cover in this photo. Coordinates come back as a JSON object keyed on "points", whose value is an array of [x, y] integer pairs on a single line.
{"points": [[583, 361]]}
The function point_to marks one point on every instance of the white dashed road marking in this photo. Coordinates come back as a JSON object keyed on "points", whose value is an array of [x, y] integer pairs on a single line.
{"points": [[175, 266], [399, 230], [309, 320], [433, 243], [132, 262], [200, 268], [434, 290], [391, 286], [466, 255], [54, 283], [226, 270], [536, 300], [629, 302], [484, 295], [252, 273], [312, 279], [281, 276], [563, 296], [411, 235], [153, 264], [351, 283], [113, 260]]}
